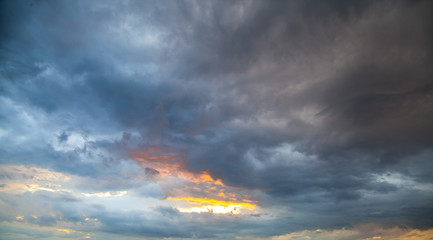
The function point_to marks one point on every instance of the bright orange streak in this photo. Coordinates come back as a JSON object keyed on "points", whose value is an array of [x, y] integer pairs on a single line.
{"points": [[212, 202], [169, 162], [205, 205]]}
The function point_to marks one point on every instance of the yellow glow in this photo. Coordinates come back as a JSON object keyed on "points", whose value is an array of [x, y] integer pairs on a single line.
{"points": [[171, 163], [65, 230], [31, 187], [212, 205], [417, 234], [19, 218]]}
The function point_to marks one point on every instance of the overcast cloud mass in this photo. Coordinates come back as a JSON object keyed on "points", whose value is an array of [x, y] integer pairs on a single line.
{"points": [[216, 119]]}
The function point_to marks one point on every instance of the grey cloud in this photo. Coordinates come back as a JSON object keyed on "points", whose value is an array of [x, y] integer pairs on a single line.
{"points": [[63, 137], [346, 84]]}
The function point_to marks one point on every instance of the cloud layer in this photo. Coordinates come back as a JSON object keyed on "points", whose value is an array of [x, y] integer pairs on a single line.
{"points": [[318, 114]]}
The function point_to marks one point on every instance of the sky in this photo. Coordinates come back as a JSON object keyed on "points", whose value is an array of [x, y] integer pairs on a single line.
{"points": [[248, 120]]}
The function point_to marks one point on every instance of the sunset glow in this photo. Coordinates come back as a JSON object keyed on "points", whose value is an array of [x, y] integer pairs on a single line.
{"points": [[200, 205], [171, 162]]}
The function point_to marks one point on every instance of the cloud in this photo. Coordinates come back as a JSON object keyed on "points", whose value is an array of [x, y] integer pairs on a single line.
{"points": [[318, 113]]}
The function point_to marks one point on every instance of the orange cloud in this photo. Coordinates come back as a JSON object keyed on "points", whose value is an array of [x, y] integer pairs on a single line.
{"points": [[170, 162], [200, 205], [205, 201]]}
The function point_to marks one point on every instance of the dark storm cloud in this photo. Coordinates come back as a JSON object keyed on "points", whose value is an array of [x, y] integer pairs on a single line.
{"points": [[368, 81], [361, 76], [362, 96], [310, 102]]}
